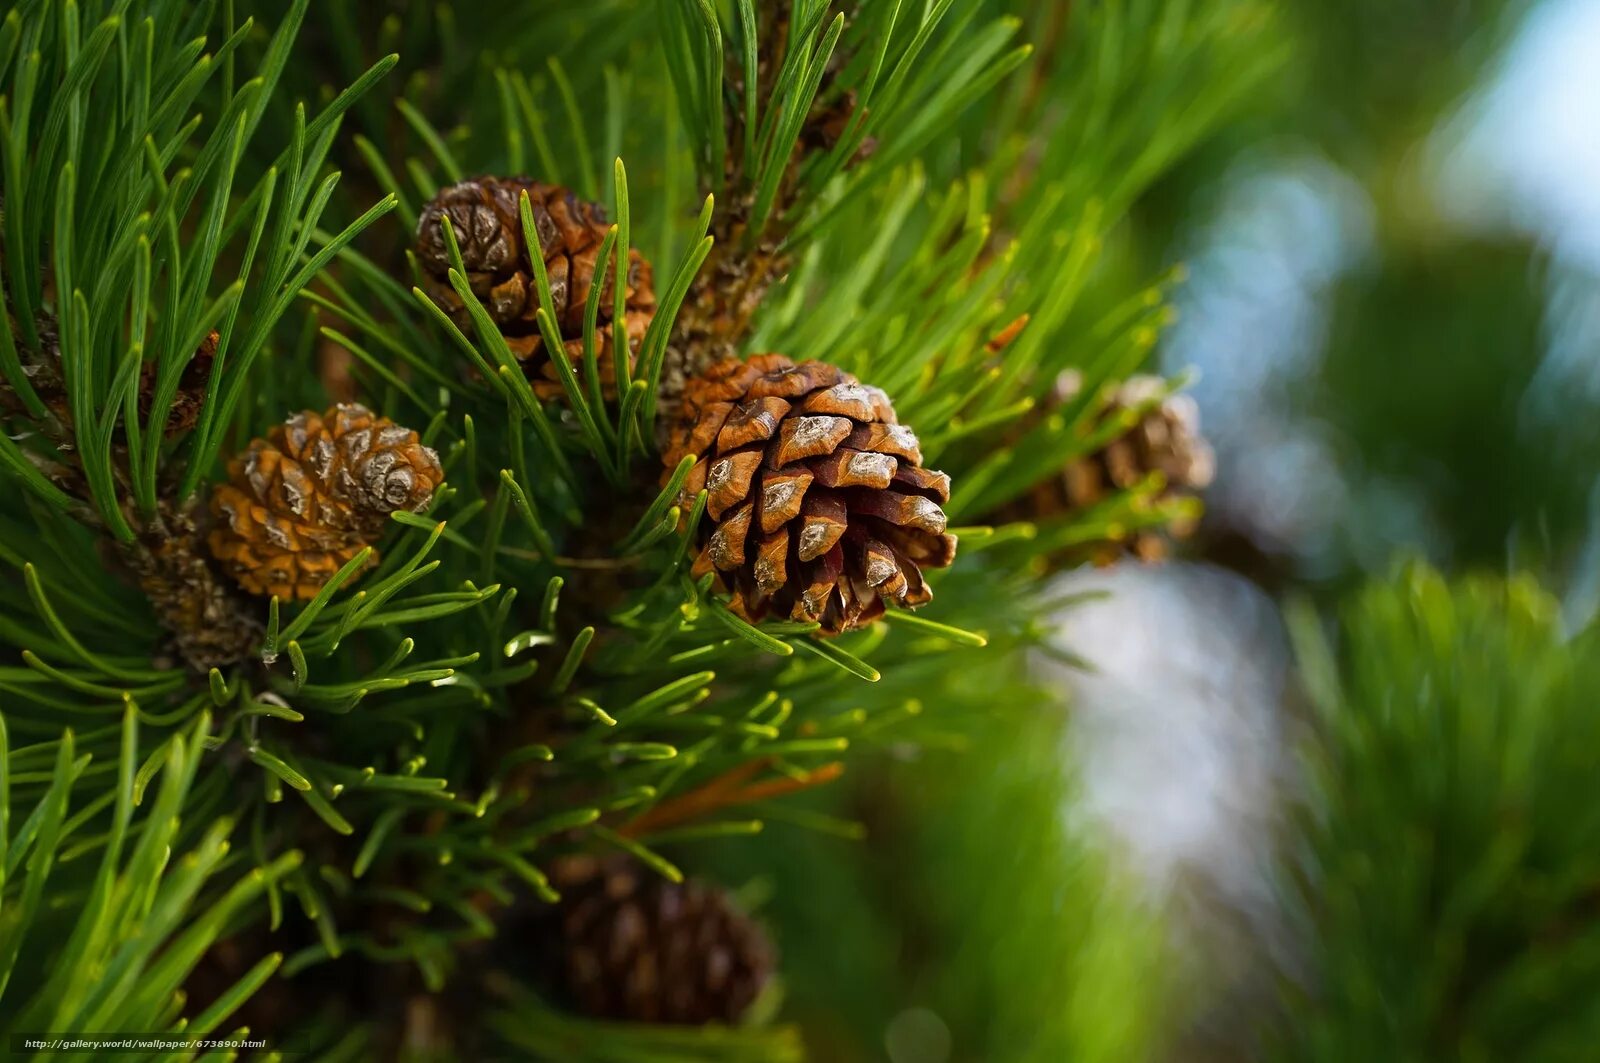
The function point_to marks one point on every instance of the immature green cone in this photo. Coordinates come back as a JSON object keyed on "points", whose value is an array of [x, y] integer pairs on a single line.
{"points": [[819, 508], [626, 944], [1164, 440], [485, 216]]}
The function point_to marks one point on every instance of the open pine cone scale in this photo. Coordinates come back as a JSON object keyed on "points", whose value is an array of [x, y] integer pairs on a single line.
{"points": [[817, 507]]}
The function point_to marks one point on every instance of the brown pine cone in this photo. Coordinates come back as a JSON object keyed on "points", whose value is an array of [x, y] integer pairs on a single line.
{"points": [[819, 508], [369, 463], [829, 120], [626, 944], [1166, 439], [305, 500], [486, 218], [192, 384], [209, 628]]}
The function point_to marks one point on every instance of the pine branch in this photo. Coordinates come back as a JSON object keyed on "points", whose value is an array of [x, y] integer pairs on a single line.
{"points": [[529, 668], [1445, 884]]}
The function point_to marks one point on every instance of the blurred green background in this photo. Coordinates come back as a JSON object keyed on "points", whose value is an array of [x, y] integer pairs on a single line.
{"points": [[1393, 304]]}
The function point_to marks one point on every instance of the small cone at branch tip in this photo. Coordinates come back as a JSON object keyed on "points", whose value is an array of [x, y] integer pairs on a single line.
{"points": [[818, 507], [626, 944], [486, 217], [1163, 442], [303, 502]]}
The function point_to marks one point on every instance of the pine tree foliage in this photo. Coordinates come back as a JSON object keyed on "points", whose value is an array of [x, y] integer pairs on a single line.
{"points": [[1444, 877], [120, 944], [1078, 960], [913, 192]]}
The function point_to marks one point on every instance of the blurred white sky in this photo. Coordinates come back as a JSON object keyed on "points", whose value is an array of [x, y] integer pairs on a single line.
{"points": [[1521, 153], [1525, 152], [1251, 320]]}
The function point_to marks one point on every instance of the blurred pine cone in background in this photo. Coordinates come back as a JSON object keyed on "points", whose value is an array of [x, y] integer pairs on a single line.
{"points": [[1159, 436], [626, 944], [486, 218]]}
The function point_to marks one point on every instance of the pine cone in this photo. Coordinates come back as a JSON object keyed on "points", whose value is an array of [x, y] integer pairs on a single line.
{"points": [[1165, 440], [209, 628], [43, 370], [191, 393], [486, 218], [819, 508], [625, 944], [305, 500]]}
